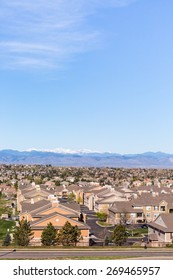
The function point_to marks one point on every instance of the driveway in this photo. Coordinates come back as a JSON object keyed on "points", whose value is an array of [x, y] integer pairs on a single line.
{"points": [[98, 233]]}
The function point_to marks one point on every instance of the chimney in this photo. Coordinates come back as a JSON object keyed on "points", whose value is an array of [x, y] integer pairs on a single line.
{"points": [[55, 203], [32, 201]]}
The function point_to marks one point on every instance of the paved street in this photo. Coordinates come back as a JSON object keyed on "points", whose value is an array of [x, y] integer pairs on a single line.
{"points": [[96, 230], [53, 254], [99, 233]]}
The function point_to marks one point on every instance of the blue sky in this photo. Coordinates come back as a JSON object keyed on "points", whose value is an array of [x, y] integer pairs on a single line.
{"points": [[86, 74]]}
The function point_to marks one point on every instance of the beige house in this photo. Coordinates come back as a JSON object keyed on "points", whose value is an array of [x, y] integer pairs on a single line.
{"points": [[145, 208], [32, 193], [103, 204], [152, 206], [44, 211], [86, 195], [28, 209], [160, 232], [100, 198], [124, 212], [58, 220]]}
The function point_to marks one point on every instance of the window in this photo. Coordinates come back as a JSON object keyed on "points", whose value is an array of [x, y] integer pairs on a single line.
{"points": [[148, 214], [156, 208], [148, 207], [139, 214], [162, 208], [133, 215]]}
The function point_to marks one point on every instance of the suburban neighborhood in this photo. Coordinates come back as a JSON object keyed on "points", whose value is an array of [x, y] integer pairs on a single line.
{"points": [[95, 201]]}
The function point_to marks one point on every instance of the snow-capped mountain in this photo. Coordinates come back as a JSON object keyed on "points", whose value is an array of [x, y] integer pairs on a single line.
{"points": [[66, 157]]}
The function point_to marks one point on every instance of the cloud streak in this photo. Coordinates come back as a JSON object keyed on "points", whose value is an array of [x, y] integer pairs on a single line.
{"points": [[38, 34]]}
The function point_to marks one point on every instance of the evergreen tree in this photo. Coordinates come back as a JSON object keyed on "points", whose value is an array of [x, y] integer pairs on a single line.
{"points": [[23, 233], [69, 235], [119, 236], [7, 240], [49, 235]]}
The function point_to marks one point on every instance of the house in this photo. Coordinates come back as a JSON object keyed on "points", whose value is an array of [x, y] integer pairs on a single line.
{"points": [[28, 208], [153, 190], [153, 205], [33, 193], [58, 220], [86, 195], [22, 189], [44, 211], [100, 198], [160, 232], [124, 212], [103, 204]]}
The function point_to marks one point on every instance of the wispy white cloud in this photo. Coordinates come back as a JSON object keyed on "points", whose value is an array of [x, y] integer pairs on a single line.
{"points": [[45, 33]]}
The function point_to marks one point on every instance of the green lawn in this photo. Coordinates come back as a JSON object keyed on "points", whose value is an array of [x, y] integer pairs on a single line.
{"points": [[138, 232], [104, 224], [2, 206], [4, 209], [4, 226]]}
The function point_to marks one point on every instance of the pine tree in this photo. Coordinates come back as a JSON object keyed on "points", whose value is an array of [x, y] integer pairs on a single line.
{"points": [[119, 236], [49, 235], [7, 240], [23, 233], [69, 235]]}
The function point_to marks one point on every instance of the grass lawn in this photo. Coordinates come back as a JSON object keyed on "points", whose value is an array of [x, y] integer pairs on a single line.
{"points": [[2, 206], [104, 224], [4, 226], [138, 232]]}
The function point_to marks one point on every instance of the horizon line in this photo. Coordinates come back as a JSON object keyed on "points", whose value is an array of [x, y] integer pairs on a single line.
{"points": [[80, 151]]}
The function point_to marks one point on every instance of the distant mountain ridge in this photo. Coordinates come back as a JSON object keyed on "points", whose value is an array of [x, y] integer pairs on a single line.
{"points": [[87, 158]]}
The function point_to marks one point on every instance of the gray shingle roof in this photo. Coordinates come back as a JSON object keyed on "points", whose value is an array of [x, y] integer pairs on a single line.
{"points": [[46, 217], [124, 206], [149, 200], [29, 207], [168, 221]]}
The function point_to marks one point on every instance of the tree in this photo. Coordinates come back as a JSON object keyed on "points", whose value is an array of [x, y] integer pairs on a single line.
{"points": [[38, 180], [102, 216], [23, 233], [16, 186], [49, 235], [79, 200], [69, 235], [71, 196], [7, 240], [119, 236], [57, 183]]}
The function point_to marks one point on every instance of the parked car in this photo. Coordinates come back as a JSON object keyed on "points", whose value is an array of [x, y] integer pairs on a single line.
{"points": [[128, 223], [111, 244]]}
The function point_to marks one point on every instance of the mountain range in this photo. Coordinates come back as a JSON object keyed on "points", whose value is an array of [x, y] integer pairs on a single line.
{"points": [[85, 158]]}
